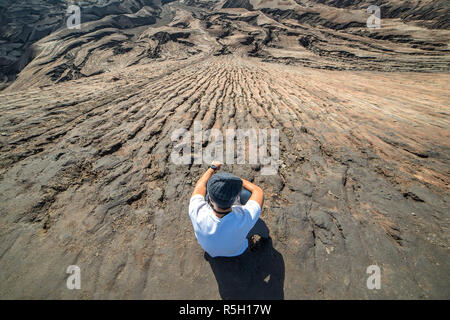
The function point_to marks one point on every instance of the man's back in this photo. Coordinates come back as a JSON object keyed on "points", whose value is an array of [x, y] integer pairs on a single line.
{"points": [[224, 236]]}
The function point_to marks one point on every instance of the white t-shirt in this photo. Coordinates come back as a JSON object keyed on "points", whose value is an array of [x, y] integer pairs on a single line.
{"points": [[226, 236]]}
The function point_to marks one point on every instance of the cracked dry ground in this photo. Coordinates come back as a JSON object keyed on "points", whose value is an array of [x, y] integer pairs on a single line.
{"points": [[87, 180]]}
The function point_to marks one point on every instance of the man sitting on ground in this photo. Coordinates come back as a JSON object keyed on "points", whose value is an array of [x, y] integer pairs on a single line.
{"points": [[223, 209]]}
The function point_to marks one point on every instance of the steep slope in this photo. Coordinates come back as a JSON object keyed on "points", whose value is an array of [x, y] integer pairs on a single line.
{"points": [[87, 178], [23, 23]]}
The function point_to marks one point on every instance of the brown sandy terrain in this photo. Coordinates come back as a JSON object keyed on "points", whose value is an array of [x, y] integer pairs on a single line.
{"points": [[86, 176]]}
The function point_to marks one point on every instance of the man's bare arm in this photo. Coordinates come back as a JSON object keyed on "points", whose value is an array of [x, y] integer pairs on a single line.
{"points": [[200, 186], [257, 192]]}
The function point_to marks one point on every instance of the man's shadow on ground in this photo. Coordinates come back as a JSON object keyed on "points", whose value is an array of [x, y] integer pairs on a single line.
{"points": [[256, 274]]}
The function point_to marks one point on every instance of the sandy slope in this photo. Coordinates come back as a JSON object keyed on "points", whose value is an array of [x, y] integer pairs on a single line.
{"points": [[87, 180], [86, 176]]}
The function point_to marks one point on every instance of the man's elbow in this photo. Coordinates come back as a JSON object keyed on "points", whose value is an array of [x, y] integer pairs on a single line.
{"points": [[260, 191], [260, 195]]}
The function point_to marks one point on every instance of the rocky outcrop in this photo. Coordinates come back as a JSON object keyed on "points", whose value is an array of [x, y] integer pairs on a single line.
{"points": [[432, 14], [24, 23]]}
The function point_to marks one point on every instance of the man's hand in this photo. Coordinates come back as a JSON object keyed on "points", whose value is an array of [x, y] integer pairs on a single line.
{"points": [[217, 164], [200, 186]]}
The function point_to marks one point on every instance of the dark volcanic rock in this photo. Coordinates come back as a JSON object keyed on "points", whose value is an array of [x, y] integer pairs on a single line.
{"points": [[238, 4]]}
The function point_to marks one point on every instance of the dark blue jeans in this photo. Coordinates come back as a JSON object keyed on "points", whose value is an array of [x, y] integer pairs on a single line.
{"points": [[245, 195]]}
